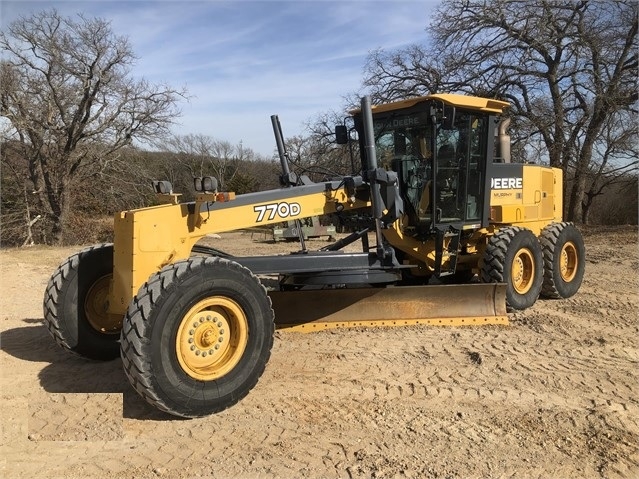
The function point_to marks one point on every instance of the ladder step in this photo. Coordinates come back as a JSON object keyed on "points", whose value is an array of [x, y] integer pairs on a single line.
{"points": [[451, 251]]}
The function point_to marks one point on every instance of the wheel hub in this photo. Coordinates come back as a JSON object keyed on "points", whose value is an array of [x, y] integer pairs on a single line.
{"points": [[211, 338], [523, 271], [96, 307], [208, 334], [568, 262]]}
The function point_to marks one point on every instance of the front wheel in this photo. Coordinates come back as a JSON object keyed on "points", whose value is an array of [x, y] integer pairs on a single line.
{"points": [[513, 256], [564, 260], [197, 336]]}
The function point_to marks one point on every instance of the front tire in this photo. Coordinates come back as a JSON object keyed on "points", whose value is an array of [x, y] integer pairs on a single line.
{"points": [[197, 337], [76, 304], [564, 260], [513, 256]]}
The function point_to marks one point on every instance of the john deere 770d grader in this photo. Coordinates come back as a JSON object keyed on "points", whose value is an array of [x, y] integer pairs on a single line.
{"points": [[461, 235]]}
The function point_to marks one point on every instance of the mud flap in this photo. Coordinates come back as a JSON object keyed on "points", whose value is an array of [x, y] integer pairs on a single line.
{"points": [[445, 305]]}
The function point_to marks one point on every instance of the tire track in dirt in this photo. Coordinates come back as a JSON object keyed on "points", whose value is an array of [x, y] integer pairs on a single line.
{"points": [[534, 366], [92, 418], [552, 375]]}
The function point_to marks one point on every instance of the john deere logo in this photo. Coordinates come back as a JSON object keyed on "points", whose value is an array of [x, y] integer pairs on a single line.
{"points": [[505, 183]]}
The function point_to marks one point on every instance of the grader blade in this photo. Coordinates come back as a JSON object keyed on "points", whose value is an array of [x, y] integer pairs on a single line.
{"points": [[446, 305]]}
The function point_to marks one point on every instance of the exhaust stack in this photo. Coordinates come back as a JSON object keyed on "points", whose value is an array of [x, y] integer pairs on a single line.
{"points": [[504, 140]]}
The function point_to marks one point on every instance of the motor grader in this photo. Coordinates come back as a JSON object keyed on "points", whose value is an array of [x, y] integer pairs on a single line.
{"points": [[451, 233]]}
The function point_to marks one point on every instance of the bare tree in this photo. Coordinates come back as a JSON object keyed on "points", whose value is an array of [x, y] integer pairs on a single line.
{"points": [[565, 67], [615, 161], [227, 159], [15, 213], [317, 155], [67, 93], [405, 73], [200, 155]]}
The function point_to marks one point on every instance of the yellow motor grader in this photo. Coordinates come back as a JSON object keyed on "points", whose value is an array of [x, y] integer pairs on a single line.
{"points": [[451, 233]]}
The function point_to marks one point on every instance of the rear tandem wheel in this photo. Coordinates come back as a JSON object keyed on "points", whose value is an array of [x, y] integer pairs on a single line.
{"points": [[513, 256], [197, 337], [564, 260]]}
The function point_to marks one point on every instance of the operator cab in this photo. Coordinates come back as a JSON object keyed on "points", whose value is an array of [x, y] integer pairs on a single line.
{"points": [[441, 147]]}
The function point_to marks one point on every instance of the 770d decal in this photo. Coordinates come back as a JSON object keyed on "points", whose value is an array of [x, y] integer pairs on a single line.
{"points": [[271, 210]]}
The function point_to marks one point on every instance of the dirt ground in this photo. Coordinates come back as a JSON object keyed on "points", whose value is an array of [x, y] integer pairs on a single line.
{"points": [[555, 394]]}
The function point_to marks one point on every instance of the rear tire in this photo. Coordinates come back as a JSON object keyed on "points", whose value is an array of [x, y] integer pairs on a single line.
{"points": [[197, 336], [76, 301], [513, 256], [564, 260]]}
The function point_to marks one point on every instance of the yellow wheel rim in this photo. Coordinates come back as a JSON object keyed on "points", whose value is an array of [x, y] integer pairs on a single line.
{"points": [[211, 338], [568, 262], [523, 271], [96, 307]]}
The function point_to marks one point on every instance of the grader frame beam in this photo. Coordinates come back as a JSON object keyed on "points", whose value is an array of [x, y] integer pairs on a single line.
{"points": [[148, 239]]}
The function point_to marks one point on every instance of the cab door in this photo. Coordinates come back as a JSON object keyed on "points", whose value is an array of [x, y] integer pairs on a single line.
{"points": [[460, 166]]}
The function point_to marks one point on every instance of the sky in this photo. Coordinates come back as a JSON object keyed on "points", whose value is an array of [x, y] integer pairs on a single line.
{"points": [[242, 61]]}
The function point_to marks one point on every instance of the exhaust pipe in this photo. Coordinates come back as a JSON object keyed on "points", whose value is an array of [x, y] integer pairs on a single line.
{"points": [[504, 140]]}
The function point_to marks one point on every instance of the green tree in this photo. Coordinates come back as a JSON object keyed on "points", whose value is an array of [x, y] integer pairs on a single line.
{"points": [[71, 103]]}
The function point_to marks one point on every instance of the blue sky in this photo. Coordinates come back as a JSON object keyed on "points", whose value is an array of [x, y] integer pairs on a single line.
{"points": [[242, 61]]}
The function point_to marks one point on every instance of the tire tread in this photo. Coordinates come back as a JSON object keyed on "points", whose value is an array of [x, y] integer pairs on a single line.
{"points": [[52, 309], [135, 347], [549, 239]]}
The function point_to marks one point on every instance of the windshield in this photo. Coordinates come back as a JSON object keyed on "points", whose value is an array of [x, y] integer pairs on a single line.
{"points": [[402, 144], [400, 137]]}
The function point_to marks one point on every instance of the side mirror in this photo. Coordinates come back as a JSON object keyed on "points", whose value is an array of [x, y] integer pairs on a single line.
{"points": [[341, 135]]}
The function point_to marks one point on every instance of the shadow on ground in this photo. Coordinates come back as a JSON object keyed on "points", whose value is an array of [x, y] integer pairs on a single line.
{"points": [[67, 373]]}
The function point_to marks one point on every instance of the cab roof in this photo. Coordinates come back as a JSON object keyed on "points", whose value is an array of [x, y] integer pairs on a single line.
{"points": [[488, 105]]}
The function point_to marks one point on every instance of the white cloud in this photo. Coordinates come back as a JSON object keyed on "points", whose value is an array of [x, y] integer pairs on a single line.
{"points": [[245, 60]]}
